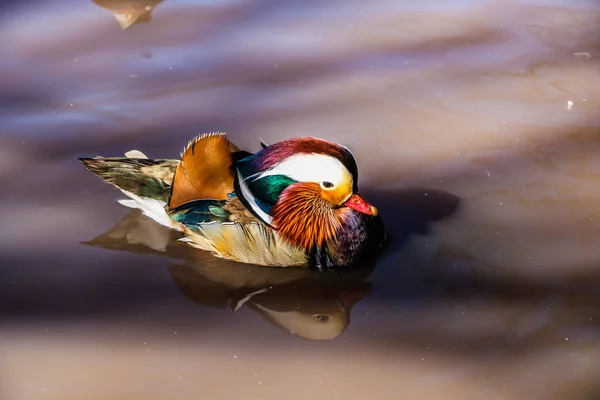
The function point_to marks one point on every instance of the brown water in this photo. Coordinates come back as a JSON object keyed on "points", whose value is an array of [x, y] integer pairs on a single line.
{"points": [[476, 126]]}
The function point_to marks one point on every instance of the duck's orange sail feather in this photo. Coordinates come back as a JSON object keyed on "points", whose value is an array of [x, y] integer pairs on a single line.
{"points": [[203, 171]]}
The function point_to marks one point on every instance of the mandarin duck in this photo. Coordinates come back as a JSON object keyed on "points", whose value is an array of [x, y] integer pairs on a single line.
{"points": [[293, 203]]}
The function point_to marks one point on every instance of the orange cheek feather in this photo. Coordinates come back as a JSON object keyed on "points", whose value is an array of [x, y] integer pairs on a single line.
{"points": [[304, 218]]}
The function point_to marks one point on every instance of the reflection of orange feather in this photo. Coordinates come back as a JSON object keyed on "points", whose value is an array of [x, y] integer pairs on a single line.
{"points": [[203, 172], [304, 218]]}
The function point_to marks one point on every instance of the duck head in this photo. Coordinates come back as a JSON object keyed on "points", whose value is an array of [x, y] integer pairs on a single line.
{"points": [[306, 188]]}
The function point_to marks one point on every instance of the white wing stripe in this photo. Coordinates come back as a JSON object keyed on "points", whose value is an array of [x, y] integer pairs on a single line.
{"points": [[252, 201]]}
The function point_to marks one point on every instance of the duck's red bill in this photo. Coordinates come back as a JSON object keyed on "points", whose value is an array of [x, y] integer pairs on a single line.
{"points": [[359, 204]]}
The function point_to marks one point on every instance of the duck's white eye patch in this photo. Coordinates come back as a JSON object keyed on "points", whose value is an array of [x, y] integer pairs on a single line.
{"points": [[328, 171]]}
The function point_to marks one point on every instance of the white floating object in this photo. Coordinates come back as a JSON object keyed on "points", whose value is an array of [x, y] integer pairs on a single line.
{"points": [[582, 54]]}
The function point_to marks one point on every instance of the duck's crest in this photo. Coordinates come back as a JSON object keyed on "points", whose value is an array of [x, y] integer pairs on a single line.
{"points": [[202, 136], [204, 170]]}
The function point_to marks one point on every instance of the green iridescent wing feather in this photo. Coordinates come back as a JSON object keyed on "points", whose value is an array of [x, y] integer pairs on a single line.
{"points": [[197, 212]]}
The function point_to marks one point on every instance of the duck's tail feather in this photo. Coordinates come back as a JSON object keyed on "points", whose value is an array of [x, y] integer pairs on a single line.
{"points": [[146, 182], [141, 176]]}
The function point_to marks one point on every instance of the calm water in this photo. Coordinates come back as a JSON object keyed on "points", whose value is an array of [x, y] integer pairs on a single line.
{"points": [[476, 126]]}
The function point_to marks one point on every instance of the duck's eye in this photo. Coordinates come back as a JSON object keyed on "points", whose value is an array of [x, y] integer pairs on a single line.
{"points": [[326, 185], [322, 318]]}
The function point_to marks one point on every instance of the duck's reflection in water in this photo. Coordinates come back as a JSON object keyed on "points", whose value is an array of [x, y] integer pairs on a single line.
{"points": [[302, 304], [130, 12], [308, 304]]}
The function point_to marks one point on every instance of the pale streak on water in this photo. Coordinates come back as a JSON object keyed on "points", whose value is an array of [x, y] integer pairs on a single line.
{"points": [[495, 102]]}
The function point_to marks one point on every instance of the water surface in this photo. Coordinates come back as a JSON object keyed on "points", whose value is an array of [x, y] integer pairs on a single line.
{"points": [[475, 125]]}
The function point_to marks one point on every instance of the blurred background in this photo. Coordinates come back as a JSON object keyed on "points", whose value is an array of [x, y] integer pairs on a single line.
{"points": [[475, 124]]}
